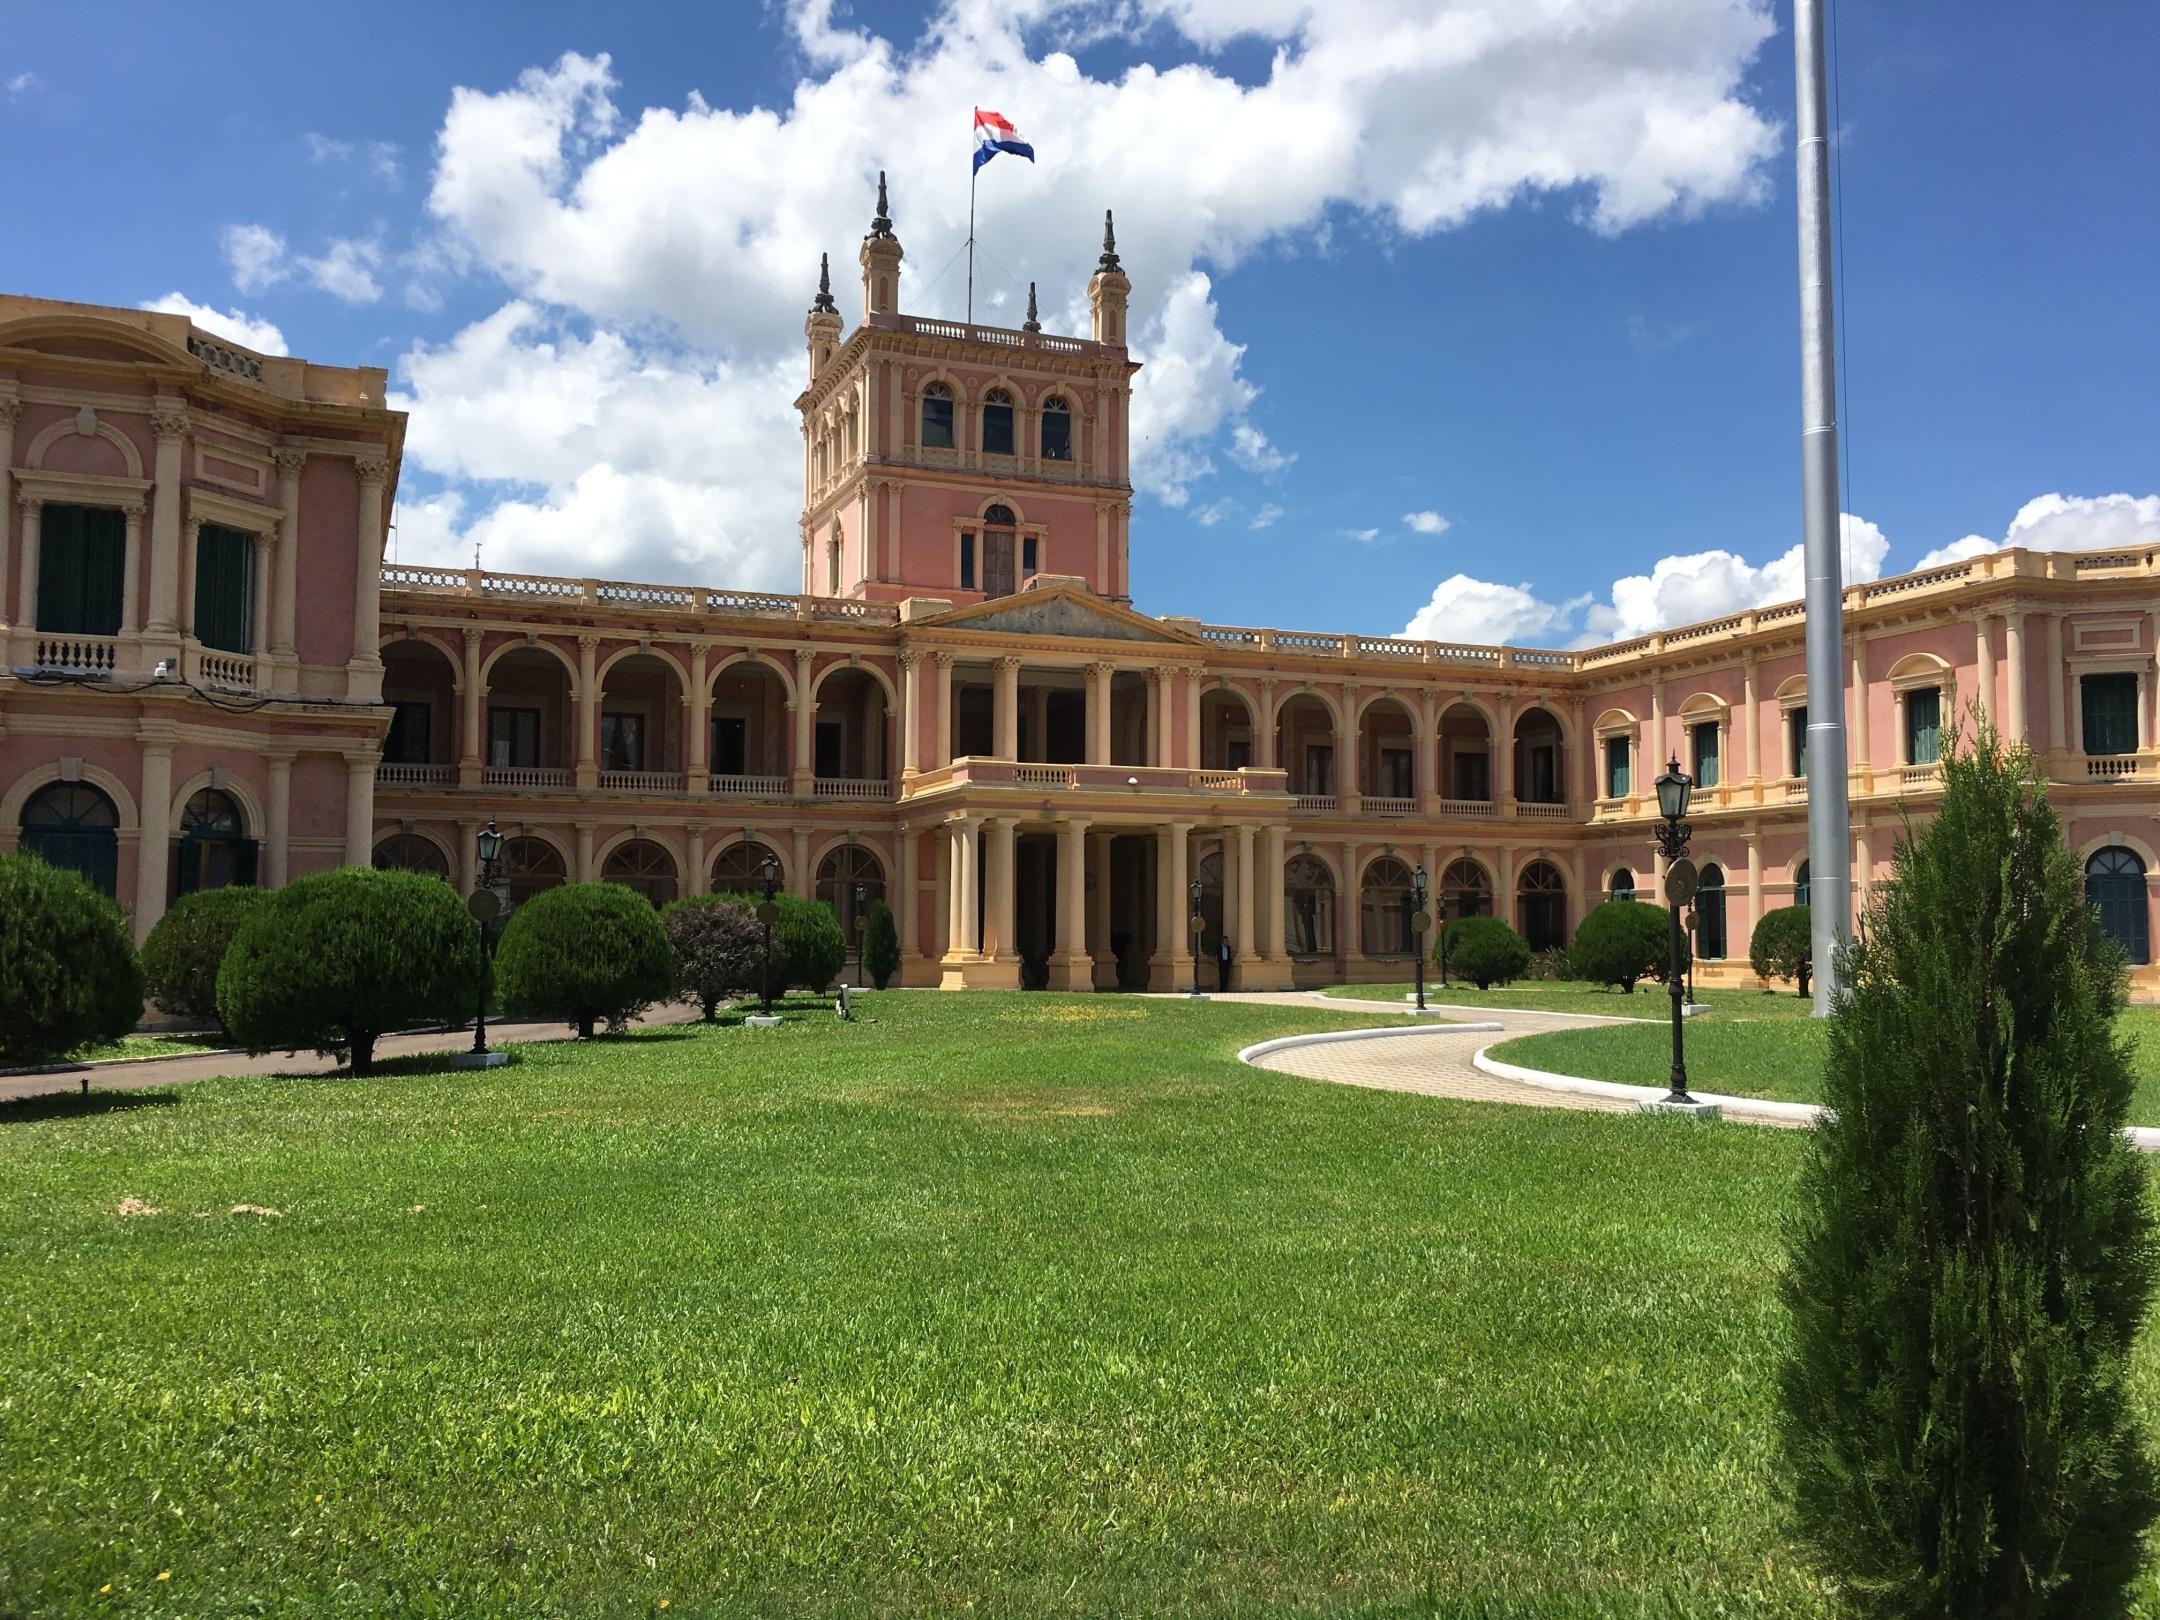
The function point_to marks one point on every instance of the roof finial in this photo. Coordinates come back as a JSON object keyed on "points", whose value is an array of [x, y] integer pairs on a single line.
{"points": [[1109, 259], [823, 304], [1031, 324], [881, 221]]}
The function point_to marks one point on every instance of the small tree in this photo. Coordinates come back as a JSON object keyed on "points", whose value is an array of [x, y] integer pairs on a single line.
{"points": [[880, 944], [586, 953], [1620, 942], [187, 946], [1783, 946], [1971, 1253], [69, 975], [335, 961], [1485, 950], [716, 948], [808, 948]]}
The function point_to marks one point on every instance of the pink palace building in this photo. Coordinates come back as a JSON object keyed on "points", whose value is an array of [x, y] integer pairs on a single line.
{"points": [[212, 678]]}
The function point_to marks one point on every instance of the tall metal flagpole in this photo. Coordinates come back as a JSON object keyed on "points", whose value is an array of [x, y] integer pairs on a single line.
{"points": [[1829, 830], [972, 173]]}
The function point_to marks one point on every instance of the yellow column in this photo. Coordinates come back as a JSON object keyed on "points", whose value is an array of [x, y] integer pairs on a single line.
{"points": [[365, 684], [472, 738], [588, 712], [907, 896], [169, 421], [284, 588], [1104, 960], [799, 854], [2058, 721], [1005, 708], [277, 812], [941, 749], [2014, 656], [803, 764], [32, 512], [1754, 884], [1098, 714], [1242, 946], [1263, 752], [10, 409], [1271, 880], [697, 751], [1748, 697], [1862, 763], [1070, 968], [968, 851], [583, 842], [153, 850], [911, 712], [1984, 650], [698, 878]]}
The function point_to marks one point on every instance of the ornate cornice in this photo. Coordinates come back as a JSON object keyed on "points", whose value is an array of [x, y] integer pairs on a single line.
{"points": [[169, 422]]}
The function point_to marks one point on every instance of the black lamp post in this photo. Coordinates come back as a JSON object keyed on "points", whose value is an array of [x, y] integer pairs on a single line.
{"points": [[1194, 890], [1418, 922], [769, 869], [489, 844], [1674, 789], [862, 977]]}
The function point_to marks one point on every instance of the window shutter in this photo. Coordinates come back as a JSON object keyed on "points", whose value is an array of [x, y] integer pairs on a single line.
{"points": [[221, 589], [2110, 705]]}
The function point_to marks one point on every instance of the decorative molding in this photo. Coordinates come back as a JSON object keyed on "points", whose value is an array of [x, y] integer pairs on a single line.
{"points": [[372, 469], [169, 421]]}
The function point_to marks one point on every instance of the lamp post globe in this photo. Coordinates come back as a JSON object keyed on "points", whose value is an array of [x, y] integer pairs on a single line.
{"points": [[490, 843]]}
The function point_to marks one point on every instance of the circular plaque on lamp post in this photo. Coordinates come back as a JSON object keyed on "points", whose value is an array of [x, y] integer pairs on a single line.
{"points": [[483, 905], [768, 914], [1681, 880], [1420, 921]]}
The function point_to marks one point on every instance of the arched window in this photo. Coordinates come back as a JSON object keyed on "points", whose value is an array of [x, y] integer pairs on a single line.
{"points": [[2115, 887], [1800, 885], [214, 849], [529, 867], [839, 874], [1384, 909], [1541, 903], [1466, 891], [997, 423], [73, 826], [1710, 913], [1623, 884], [997, 568], [643, 865], [740, 868], [1056, 429], [409, 852], [1309, 907], [937, 417]]}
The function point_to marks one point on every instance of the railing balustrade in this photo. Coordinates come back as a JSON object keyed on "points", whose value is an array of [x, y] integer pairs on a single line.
{"points": [[527, 776], [394, 773]]}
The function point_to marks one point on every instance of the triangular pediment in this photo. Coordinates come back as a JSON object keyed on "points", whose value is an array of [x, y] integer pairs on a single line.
{"points": [[1065, 612]]}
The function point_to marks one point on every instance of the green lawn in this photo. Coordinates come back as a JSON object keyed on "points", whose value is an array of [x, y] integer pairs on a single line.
{"points": [[148, 1046], [1746, 1058], [1648, 1001], [997, 1305]]}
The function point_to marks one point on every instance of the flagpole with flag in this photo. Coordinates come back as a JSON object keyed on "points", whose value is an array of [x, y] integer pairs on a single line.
{"points": [[994, 133]]}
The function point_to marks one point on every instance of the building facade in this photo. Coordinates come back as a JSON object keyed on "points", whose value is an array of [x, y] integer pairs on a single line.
{"points": [[962, 714]]}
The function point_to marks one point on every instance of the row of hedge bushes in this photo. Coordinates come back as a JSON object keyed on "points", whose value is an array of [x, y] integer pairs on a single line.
{"points": [[335, 961], [1619, 944]]}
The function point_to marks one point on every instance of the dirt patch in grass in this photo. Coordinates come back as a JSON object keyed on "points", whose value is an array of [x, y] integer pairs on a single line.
{"points": [[1027, 1105]]}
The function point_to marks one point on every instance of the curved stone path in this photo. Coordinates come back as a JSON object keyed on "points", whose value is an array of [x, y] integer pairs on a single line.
{"points": [[1434, 1063]]}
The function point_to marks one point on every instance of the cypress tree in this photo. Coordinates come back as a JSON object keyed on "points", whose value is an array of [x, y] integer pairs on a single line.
{"points": [[1971, 1253]]}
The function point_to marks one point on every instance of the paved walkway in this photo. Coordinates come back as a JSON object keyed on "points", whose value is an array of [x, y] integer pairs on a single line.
{"points": [[1434, 1064], [139, 1074]]}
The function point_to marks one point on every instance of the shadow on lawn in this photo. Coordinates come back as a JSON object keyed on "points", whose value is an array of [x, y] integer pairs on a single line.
{"points": [[80, 1105]]}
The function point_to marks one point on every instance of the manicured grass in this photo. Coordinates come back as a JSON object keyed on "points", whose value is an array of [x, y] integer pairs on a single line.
{"points": [[1747, 1059], [149, 1046], [988, 1304], [1648, 1001]]}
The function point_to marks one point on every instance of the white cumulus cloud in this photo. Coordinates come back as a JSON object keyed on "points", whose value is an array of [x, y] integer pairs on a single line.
{"points": [[261, 336], [691, 233], [259, 258], [2058, 522], [1425, 522]]}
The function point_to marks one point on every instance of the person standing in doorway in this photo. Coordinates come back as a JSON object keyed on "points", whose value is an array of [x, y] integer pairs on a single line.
{"points": [[1222, 963]]}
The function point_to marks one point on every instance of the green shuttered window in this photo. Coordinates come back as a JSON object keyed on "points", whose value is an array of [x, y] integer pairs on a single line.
{"points": [[2110, 704], [224, 588], [82, 563]]}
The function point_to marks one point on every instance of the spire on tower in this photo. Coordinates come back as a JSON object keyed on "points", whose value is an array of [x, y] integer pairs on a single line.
{"points": [[881, 221], [1109, 259], [1031, 324], [823, 304]]}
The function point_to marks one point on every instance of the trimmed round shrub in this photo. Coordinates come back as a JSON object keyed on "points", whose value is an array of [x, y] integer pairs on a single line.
{"points": [[335, 961], [880, 944], [1783, 946], [69, 975], [1485, 950], [717, 948], [187, 946], [808, 947], [585, 953], [1621, 942]]}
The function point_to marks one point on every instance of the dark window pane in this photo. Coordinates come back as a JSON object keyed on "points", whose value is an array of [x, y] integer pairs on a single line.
{"points": [[1705, 739], [997, 430], [1616, 768], [967, 562], [223, 588], [2115, 888], [82, 563], [1923, 726], [411, 736], [937, 418], [514, 737], [1057, 435], [2110, 712]]}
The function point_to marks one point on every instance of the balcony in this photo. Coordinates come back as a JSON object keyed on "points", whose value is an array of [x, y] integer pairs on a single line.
{"points": [[749, 787], [75, 655], [1472, 809], [641, 781], [1375, 804], [873, 790], [546, 777], [391, 774], [2111, 767], [1315, 804], [1531, 811], [973, 771]]}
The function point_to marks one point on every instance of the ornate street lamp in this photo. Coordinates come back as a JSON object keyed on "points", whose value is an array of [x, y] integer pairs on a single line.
{"points": [[485, 907], [1674, 789], [1197, 925], [767, 912], [862, 977], [1420, 920]]}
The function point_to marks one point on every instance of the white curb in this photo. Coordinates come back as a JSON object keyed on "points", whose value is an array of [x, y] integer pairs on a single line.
{"points": [[1284, 1043], [1737, 1107]]}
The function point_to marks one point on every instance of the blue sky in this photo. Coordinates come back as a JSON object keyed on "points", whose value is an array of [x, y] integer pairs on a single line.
{"points": [[1528, 269]]}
